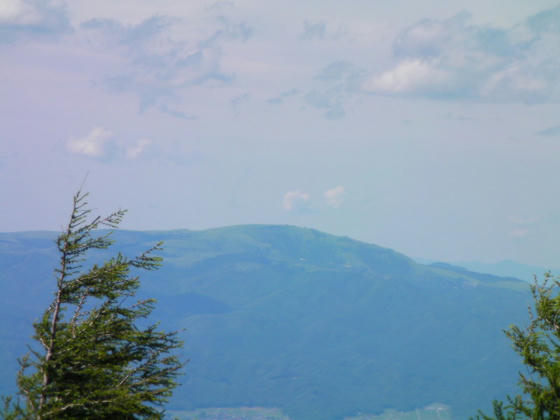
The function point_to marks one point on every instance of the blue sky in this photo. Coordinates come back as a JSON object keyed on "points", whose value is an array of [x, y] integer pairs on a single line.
{"points": [[431, 128]]}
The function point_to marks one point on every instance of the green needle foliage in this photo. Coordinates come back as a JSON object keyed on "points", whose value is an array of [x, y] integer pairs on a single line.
{"points": [[94, 361], [539, 346]]}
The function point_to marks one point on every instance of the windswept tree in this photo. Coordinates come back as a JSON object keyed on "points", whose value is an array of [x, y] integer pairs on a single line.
{"points": [[539, 346], [97, 356]]}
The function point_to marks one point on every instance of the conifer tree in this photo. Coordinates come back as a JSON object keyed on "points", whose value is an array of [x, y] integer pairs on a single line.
{"points": [[539, 346], [93, 360]]}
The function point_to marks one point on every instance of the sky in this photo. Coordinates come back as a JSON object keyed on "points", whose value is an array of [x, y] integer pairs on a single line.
{"points": [[429, 127]]}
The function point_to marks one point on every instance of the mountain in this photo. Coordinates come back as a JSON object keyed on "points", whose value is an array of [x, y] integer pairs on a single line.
{"points": [[510, 268], [504, 268], [319, 326]]}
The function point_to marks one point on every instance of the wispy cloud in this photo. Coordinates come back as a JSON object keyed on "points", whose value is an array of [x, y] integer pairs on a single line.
{"points": [[523, 225], [135, 151], [338, 83], [175, 112], [311, 30], [335, 196], [550, 131], [100, 143], [520, 220], [295, 200], [221, 5], [18, 12], [277, 100], [94, 144], [20, 19], [322, 30], [158, 68], [331, 101], [229, 30], [519, 232], [455, 59], [238, 101]]}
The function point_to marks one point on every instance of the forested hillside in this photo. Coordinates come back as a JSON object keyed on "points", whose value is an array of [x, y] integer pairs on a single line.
{"points": [[319, 326]]}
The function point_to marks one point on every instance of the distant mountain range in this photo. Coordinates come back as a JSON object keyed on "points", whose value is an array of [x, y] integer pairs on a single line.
{"points": [[319, 326], [505, 268], [510, 268]]}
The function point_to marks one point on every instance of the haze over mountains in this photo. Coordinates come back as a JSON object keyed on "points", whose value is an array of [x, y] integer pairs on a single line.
{"points": [[319, 326], [504, 268]]}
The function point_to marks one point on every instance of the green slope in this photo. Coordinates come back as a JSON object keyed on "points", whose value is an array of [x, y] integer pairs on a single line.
{"points": [[317, 325]]}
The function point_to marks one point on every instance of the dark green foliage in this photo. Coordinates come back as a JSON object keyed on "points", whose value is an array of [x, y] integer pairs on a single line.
{"points": [[94, 360], [539, 346]]}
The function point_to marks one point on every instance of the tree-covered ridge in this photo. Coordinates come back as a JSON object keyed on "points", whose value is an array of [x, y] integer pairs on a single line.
{"points": [[317, 325]]}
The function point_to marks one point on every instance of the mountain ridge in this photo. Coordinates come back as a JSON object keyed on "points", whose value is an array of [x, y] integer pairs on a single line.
{"points": [[318, 325]]}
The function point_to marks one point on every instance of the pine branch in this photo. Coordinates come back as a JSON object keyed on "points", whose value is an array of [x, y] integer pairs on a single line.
{"points": [[77, 312], [100, 351]]}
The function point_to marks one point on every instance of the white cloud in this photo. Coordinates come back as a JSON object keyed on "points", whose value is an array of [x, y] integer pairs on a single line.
{"points": [[408, 76], [18, 12], [94, 144], [136, 150], [454, 58], [294, 200], [32, 19], [335, 196]]}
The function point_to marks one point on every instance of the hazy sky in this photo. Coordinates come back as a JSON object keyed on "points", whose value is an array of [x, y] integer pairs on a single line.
{"points": [[426, 126]]}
